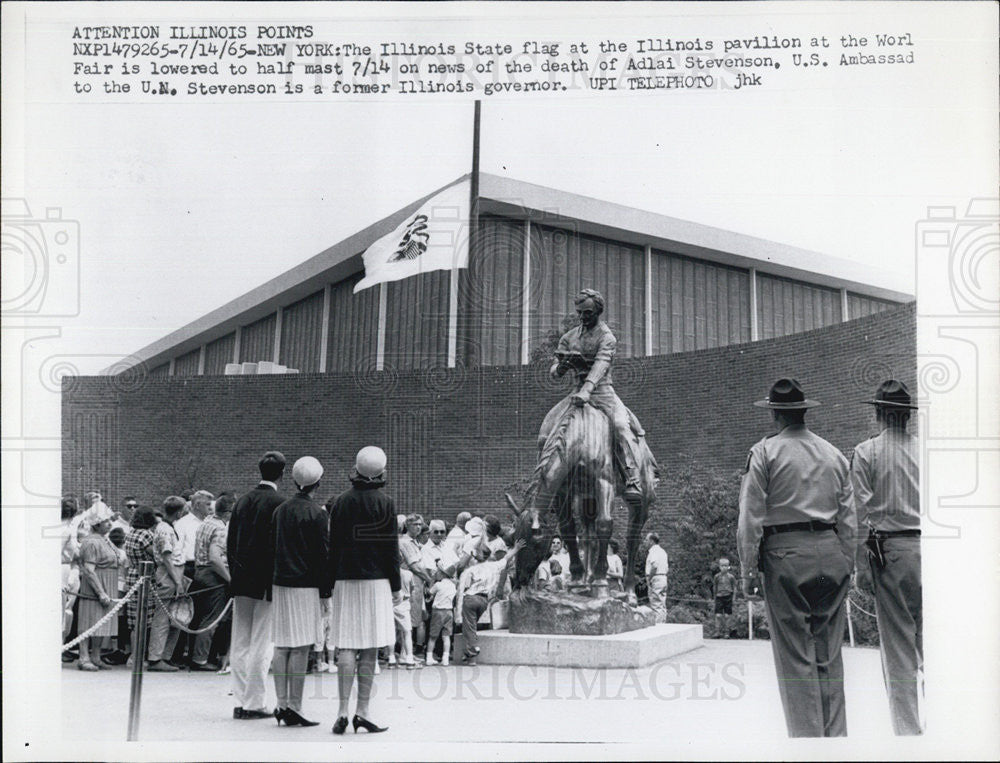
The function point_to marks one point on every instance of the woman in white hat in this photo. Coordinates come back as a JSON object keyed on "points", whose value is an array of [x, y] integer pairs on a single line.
{"points": [[98, 583], [364, 569], [301, 589]]}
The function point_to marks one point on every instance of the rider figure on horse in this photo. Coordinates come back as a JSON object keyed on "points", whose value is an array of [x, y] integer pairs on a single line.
{"points": [[589, 350]]}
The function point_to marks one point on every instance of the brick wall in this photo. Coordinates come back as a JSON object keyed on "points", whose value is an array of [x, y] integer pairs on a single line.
{"points": [[457, 437]]}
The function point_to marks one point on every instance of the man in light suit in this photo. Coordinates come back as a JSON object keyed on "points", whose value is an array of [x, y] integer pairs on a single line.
{"points": [[250, 554]]}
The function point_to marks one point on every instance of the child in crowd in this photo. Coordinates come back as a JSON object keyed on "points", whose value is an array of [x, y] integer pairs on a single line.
{"points": [[724, 589], [442, 617], [323, 658], [401, 614], [616, 570], [556, 582], [124, 647]]}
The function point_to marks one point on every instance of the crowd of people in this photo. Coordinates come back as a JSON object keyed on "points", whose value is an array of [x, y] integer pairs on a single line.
{"points": [[346, 587], [186, 538]]}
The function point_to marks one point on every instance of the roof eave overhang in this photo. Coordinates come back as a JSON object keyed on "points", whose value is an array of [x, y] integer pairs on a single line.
{"points": [[540, 204]]}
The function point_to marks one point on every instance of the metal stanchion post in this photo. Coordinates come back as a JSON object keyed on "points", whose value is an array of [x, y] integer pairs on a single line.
{"points": [[139, 651], [850, 625], [749, 620]]}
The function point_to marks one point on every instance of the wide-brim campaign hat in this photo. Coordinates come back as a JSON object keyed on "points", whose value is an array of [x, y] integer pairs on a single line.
{"points": [[892, 394], [786, 395]]}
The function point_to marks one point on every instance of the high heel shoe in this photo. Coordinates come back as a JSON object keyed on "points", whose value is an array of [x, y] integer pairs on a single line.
{"points": [[341, 725], [279, 715], [368, 726], [292, 718]]}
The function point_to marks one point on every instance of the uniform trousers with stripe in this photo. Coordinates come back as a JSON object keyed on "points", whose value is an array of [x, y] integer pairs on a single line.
{"points": [[250, 650], [899, 606], [806, 578]]}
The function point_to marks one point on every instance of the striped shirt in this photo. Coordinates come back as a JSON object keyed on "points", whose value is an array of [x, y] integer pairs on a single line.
{"points": [[211, 532]]}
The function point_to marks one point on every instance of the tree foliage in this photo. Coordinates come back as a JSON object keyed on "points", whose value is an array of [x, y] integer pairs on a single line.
{"points": [[545, 350], [703, 530]]}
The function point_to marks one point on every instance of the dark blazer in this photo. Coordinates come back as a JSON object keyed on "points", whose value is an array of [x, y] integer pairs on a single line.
{"points": [[301, 530], [249, 549], [364, 541]]}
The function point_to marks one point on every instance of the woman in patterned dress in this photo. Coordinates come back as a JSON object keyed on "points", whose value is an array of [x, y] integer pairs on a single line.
{"points": [[138, 548], [98, 585]]}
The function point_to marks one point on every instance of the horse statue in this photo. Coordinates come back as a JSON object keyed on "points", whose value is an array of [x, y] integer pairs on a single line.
{"points": [[576, 473]]}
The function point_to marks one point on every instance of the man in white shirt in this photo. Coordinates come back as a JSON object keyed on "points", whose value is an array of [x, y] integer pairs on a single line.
{"points": [[456, 537], [438, 554], [187, 527], [123, 518], [656, 577], [187, 530]]}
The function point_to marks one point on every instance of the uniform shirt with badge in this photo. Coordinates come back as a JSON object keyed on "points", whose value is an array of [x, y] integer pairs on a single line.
{"points": [[885, 474], [794, 476]]}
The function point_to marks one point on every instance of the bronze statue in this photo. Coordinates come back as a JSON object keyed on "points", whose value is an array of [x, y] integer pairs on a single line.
{"points": [[579, 441]]}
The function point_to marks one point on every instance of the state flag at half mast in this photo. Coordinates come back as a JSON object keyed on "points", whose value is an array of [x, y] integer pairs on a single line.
{"points": [[435, 237]]}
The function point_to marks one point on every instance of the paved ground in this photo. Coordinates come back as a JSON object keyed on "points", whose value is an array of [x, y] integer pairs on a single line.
{"points": [[725, 687]]}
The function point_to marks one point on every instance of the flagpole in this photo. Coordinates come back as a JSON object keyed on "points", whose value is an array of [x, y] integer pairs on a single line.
{"points": [[469, 354]]}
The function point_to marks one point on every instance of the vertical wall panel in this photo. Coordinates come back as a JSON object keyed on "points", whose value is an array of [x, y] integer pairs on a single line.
{"points": [[302, 333], [218, 353], [859, 306], [187, 364], [697, 305], [160, 370], [563, 262], [353, 333], [787, 307], [416, 330], [495, 283], [257, 340]]}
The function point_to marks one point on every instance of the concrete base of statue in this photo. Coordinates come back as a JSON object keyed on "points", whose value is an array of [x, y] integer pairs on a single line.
{"points": [[632, 649], [571, 614]]}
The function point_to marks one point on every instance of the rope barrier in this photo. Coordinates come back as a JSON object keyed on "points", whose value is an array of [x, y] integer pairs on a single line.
{"points": [[169, 598], [163, 608], [858, 606], [113, 611]]}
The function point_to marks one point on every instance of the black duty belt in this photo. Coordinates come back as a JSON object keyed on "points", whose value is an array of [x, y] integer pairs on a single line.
{"points": [[812, 527], [897, 533]]}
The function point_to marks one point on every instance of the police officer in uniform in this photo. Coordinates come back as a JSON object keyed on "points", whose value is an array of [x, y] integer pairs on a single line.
{"points": [[884, 472], [797, 525]]}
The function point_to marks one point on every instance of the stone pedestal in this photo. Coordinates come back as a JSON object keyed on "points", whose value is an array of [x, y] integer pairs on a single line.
{"points": [[562, 613], [634, 649]]}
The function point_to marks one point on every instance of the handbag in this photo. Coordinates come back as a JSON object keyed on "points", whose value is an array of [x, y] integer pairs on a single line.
{"points": [[181, 610]]}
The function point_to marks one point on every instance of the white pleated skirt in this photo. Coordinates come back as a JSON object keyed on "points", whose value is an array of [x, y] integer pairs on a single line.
{"points": [[297, 618], [361, 616]]}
